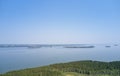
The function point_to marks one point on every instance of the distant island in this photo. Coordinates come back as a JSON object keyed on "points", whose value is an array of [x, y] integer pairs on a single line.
{"points": [[80, 46], [107, 46], [46, 45], [76, 68]]}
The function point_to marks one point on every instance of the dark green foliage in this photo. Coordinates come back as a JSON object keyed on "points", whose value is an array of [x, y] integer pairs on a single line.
{"points": [[88, 68]]}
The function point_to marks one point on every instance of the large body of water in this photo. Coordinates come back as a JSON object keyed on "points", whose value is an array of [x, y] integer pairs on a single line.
{"points": [[20, 58]]}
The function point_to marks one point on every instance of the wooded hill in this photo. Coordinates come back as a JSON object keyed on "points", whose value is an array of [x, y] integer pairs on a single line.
{"points": [[78, 68]]}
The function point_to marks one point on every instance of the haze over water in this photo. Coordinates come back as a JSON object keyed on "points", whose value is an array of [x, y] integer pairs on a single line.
{"points": [[21, 58]]}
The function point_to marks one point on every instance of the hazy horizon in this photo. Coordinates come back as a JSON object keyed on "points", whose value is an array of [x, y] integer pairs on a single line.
{"points": [[59, 21]]}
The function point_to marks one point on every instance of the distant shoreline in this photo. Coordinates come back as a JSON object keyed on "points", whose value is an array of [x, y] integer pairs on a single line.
{"points": [[47, 45]]}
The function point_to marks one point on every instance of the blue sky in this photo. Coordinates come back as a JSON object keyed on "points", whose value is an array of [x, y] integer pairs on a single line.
{"points": [[59, 21]]}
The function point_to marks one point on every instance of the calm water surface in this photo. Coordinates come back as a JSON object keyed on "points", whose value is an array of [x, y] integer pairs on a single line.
{"points": [[20, 58]]}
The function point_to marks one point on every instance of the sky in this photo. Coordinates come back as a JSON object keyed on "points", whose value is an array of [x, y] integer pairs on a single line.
{"points": [[59, 21]]}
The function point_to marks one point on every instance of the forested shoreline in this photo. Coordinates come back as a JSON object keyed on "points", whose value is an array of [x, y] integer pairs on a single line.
{"points": [[77, 68]]}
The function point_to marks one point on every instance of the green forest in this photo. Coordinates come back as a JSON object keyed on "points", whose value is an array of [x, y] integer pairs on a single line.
{"points": [[76, 68]]}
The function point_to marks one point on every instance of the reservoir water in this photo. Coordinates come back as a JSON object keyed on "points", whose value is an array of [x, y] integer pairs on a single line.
{"points": [[20, 58]]}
